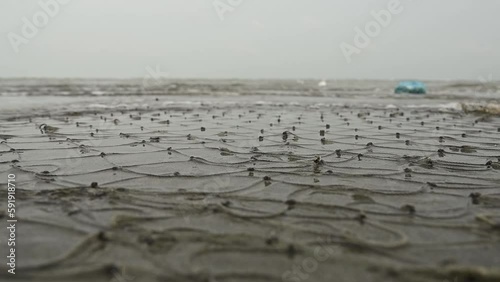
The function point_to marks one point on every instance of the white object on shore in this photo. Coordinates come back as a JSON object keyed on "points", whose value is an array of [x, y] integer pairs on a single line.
{"points": [[322, 83]]}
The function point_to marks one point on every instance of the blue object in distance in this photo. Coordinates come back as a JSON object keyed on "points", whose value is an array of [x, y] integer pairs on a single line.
{"points": [[413, 87]]}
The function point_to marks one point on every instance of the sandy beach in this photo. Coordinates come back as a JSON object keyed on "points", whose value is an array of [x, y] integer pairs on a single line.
{"points": [[339, 183]]}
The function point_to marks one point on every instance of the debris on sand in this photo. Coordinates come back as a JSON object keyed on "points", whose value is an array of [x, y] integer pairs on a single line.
{"points": [[491, 108], [45, 129]]}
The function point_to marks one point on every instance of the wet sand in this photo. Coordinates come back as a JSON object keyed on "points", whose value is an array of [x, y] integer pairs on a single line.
{"points": [[233, 189]]}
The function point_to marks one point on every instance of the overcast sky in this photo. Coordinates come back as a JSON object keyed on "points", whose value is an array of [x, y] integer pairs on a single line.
{"points": [[426, 39]]}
